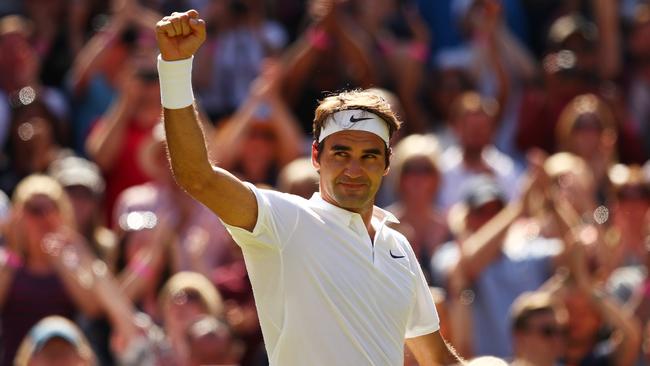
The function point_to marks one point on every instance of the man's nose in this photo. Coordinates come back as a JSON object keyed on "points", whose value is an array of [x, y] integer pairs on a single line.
{"points": [[353, 169]]}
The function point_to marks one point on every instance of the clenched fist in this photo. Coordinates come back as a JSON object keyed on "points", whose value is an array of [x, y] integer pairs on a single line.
{"points": [[180, 35]]}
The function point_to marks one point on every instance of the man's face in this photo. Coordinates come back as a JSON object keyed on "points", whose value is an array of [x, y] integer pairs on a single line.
{"points": [[57, 352], [351, 167], [544, 334], [479, 216], [475, 131]]}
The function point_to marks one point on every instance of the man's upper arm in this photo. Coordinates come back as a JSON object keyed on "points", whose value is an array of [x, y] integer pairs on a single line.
{"points": [[431, 349], [229, 198], [216, 188]]}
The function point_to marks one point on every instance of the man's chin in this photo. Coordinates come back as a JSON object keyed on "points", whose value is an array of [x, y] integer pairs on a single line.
{"points": [[352, 202]]}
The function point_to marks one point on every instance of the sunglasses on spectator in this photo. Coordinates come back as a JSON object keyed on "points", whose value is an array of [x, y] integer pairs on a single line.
{"points": [[418, 169], [548, 331], [587, 123], [39, 208]]}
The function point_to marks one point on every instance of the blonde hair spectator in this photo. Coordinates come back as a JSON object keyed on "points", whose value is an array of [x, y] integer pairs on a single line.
{"points": [[179, 285], [44, 332], [298, 177], [584, 111], [39, 184]]}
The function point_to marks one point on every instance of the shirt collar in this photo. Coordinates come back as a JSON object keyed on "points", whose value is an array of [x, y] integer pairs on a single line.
{"points": [[344, 215]]}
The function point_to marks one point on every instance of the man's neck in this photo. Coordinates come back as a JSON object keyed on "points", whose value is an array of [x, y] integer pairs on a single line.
{"points": [[473, 160]]}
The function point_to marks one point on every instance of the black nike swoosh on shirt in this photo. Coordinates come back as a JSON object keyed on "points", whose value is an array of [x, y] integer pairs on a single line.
{"points": [[395, 256], [354, 119]]}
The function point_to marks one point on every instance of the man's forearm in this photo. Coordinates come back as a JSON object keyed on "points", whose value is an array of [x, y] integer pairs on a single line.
{"points": [[186, 145]]}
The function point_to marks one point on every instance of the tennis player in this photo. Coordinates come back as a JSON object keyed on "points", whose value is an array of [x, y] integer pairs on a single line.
{"points": [[332, 283]]}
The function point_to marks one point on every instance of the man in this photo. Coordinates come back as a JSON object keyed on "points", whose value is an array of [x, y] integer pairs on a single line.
{"points": [[538, 329], [494, 258], [474, 121], [55, 341], [333, 284]]}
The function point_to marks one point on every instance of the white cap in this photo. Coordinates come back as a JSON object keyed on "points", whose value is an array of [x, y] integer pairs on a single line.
{"points": [[355, 120]]}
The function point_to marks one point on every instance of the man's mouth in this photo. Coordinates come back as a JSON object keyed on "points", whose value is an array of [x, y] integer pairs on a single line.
{"points": [[352, 185]]}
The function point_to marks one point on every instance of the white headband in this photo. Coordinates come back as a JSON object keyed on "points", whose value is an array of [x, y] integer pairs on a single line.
{"points": [[355, 120]]}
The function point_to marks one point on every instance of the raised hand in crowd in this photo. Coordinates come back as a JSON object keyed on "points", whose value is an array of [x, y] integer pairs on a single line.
{"points": [[327, 45], [263, 135], [590, 309], [147, 252], [40, 212]]}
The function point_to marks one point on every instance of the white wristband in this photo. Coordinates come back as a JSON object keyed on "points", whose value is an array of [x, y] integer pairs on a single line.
{"points": [[175, 83]]}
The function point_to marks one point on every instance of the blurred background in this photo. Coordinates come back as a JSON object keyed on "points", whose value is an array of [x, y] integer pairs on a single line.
{"points": [[521, 173]]}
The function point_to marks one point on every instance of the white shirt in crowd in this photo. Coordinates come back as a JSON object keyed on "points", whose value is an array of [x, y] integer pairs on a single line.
{"points": [[325, 294], [455, 173]]}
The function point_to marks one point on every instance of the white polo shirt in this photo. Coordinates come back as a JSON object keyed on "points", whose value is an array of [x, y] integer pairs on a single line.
{"points": [[325, 295]]}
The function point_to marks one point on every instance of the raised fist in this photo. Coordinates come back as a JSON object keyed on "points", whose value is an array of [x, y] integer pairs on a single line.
{"points": [[180, 35]]}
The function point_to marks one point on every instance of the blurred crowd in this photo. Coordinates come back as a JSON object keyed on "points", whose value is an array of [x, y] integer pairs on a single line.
{"points": [[521, 173]]}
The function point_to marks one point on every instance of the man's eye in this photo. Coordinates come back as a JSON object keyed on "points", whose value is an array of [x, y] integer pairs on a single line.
{"points": [[370, 156], [340, 154]]}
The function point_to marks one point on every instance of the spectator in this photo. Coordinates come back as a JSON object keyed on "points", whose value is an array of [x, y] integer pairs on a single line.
{"points": [[135, 340], [262, 136], [97, 75], [474, 124], [586, 127], [84, 185], [499, 63], [33, 143], [569, 69], [197, 242], [118, 135], [415, 170], [538, 323], [242, 36], [52, 341], [22, 86], [186, 296], [299, 178], [600, 331], [449, 79], [51, 39], [397, 40], [504, 253], [328, 56], [212, 342], [40, 208]]}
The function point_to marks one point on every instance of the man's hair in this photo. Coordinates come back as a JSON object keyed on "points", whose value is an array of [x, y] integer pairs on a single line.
{"points": [[529, 304], [354, 99], [185, 283], [472, 102], [582, 107]]}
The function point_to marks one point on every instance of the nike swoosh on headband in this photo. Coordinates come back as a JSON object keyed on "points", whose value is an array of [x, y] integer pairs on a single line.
{"points": [[354, 120]]}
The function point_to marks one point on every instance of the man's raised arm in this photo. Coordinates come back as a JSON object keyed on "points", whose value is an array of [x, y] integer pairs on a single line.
{"points": [[179, 36]]}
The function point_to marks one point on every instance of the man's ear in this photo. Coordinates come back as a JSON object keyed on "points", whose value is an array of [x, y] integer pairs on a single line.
{"points": [[314, 156], [389, 151]]}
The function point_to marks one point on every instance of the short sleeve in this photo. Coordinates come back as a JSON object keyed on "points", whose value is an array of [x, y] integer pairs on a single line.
{"points": [[423, 318], [277, 216]]}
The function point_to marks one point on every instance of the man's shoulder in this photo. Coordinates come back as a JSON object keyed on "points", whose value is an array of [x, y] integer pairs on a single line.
{"points": [[501, 163], [278, 200]]}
